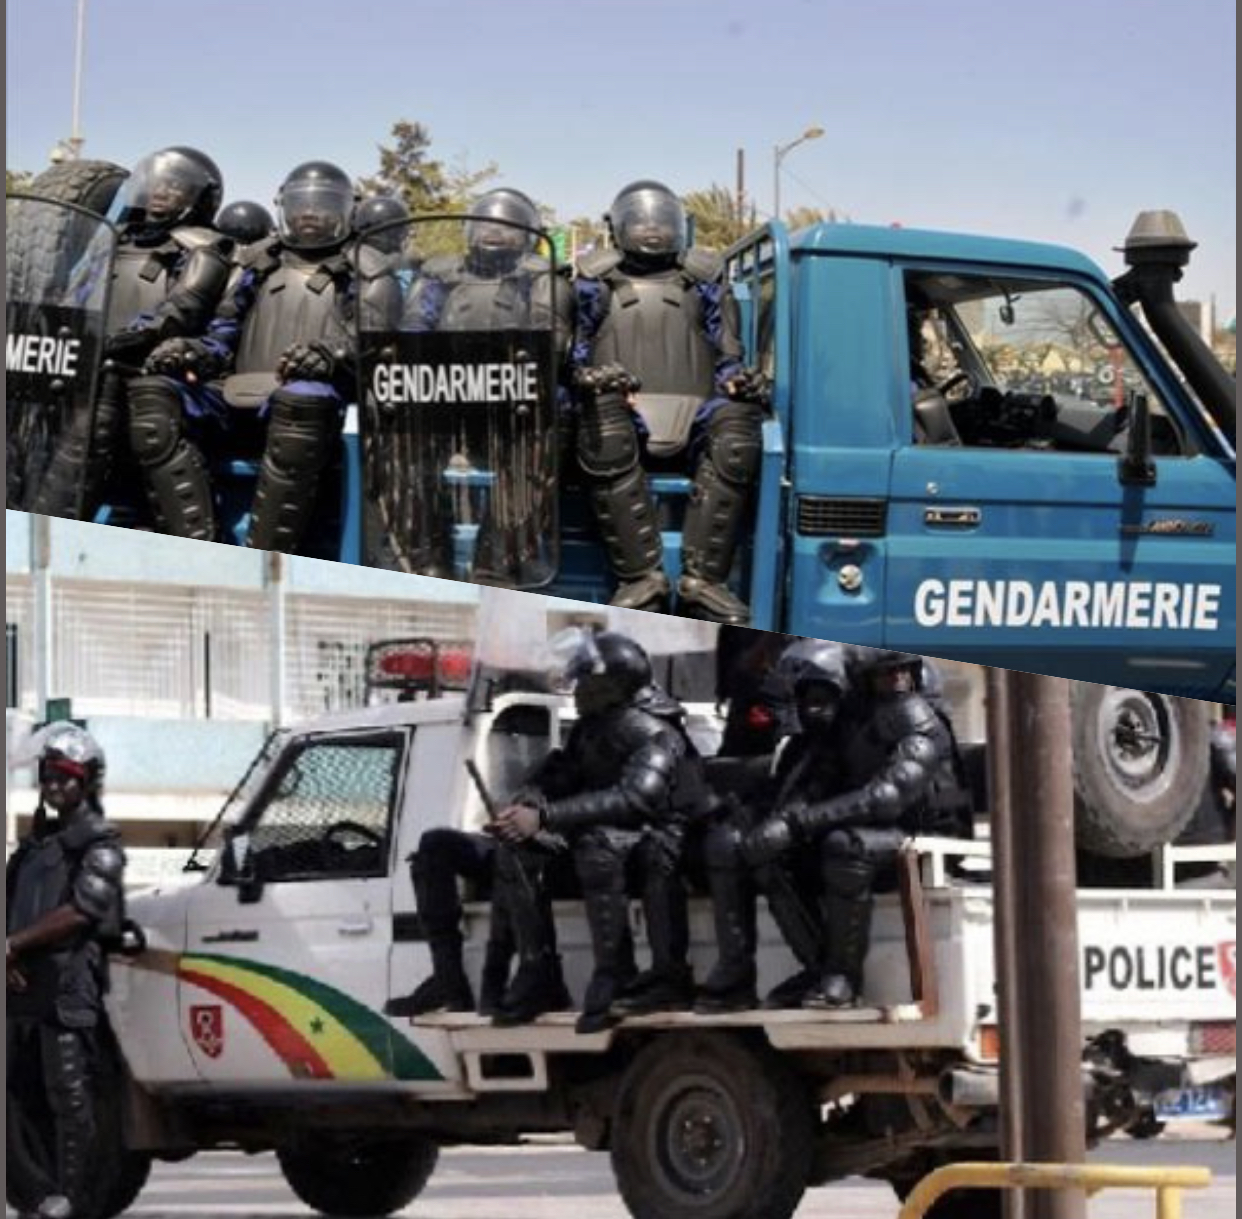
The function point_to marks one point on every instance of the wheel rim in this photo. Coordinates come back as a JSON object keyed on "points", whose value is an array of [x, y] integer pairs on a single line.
{"points": [[1138, 739], [696, 1144]]}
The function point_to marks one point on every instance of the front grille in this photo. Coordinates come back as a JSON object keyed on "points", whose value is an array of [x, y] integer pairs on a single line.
{"points": [[820, 517]]}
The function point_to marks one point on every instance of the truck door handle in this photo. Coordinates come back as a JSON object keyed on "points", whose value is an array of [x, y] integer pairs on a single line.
{"points": [[361, 926], [955, 518]]}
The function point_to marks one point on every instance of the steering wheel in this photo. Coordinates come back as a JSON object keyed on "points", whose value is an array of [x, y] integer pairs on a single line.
{"points": [[950, 383], [370, 837]]}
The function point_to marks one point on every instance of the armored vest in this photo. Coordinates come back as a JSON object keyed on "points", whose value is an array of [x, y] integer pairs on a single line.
{"points": [[143, 276], [297, 300]]}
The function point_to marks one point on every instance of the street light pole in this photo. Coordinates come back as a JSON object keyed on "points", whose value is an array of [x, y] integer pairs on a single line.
{"points": [[71, 149], [779, 153]]}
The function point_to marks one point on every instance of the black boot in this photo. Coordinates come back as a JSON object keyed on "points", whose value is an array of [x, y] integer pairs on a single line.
{"points": [[848, 926], [658, 990], [537, 987], [495, 979], [730, 987], [447, 990], [614, 960], [792, 991]]}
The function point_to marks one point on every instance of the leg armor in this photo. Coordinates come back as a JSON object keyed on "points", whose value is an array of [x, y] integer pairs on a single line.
{"points": [[722, 485], [305, 421], [174, 470], [68, 1056], [442, 857], [74, 483], [600, 858], [850, 862], [608, 452], [797, 920], [731, 984], [669, 984]]}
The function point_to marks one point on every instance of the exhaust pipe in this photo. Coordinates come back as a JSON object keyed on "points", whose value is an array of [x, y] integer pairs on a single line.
{"points": [[1156, 251], [979, 1087]]}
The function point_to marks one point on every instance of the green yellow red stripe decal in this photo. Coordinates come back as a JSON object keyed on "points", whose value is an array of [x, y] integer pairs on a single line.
{"points": [[318, 1032]]}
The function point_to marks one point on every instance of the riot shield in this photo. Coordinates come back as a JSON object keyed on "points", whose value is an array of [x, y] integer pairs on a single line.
{"points": [[58, 273], [458, 397]]}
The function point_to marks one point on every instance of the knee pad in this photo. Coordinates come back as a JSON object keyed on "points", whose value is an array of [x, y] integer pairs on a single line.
{"points": [[735, 443], [156, 420], [607, 441], [300, 430], [599, 864]]}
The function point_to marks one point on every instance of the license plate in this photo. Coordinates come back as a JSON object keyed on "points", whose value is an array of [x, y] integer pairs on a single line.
{"points": [[1200, 1104]]}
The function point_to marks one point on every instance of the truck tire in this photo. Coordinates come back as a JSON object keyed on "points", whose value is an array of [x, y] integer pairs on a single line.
{"points": [[31, 252], [1140, 763], [359, 1176], [712, 1127]]}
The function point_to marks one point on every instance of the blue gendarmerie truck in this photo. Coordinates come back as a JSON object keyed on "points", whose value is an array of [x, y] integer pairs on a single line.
{"points": [[977, 449]]}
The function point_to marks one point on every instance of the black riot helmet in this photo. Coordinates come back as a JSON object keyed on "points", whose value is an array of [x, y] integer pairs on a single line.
{"points": [[315, 206], [648, 223], [501, 230], [816, 670], [606, 669], [885, 671], [245, 221], [173, 187], [383, 212]]}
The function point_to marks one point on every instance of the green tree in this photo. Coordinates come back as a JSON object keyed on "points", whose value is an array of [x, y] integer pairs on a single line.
{"points": [[408, 170], [15, 179], [718, 223]]}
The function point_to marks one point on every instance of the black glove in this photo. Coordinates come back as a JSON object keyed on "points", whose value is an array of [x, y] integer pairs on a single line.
{"points": [[750, 385], [307, 362], [606, 379], [130, 346], [189, 360], [770, 840]]}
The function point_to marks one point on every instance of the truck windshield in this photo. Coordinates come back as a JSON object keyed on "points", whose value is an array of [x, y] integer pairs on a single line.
{"points": [[1027, 364]]}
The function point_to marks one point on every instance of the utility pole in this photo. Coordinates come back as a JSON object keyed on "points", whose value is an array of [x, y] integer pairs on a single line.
{"points": [[1038, 903], [739, 205]]}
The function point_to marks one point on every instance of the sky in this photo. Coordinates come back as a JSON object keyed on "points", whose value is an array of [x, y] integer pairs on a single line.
{"points": [[1056, 121]]}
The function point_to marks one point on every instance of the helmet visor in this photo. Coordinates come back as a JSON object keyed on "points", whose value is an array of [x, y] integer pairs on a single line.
{"points": [[163, 189], [649, 222], [315, 214]]}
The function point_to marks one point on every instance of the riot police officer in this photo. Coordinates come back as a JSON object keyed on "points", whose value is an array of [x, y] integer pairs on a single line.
{"points": [[500, 283], [658, 361], [64, 897], [169, 274], [620, 793], [863, 774], [245, 221], [282, 342], [380, 225]]}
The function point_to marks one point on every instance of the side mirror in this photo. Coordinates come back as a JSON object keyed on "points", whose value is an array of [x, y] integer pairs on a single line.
{"points": [[1135, 467], [240, 867]]}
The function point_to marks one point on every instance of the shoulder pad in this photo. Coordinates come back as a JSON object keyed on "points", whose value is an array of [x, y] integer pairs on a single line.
{"points": [[702, 265], [262, 256], [909, 716], [441, 266], [373, 263], [598, 263], [202, 239], [88, 831]]}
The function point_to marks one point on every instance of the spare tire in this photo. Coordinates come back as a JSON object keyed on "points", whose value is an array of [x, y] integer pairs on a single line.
{"points": [[31, 251], [1140, 763]]}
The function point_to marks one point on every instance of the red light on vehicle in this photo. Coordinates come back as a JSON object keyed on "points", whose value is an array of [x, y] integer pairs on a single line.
{"points": [[456, 663], [413, 666], [760, 717], [1217, 1037]]}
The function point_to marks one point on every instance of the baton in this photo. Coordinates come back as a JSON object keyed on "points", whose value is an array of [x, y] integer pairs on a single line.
{"points": [[489, 805]]}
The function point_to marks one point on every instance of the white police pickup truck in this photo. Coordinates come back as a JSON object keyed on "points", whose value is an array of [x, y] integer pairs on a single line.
{"points": [[254, 1016]]}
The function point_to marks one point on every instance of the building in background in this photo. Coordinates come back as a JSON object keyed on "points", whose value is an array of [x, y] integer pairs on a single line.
{"points": [[183, 656]]}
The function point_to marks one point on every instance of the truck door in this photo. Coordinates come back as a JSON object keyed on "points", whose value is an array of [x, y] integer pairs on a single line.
{"points": [[286, 969], [1014, 538]]}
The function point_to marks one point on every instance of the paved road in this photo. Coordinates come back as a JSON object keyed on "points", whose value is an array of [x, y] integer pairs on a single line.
{"points": [[554, 1181]]}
